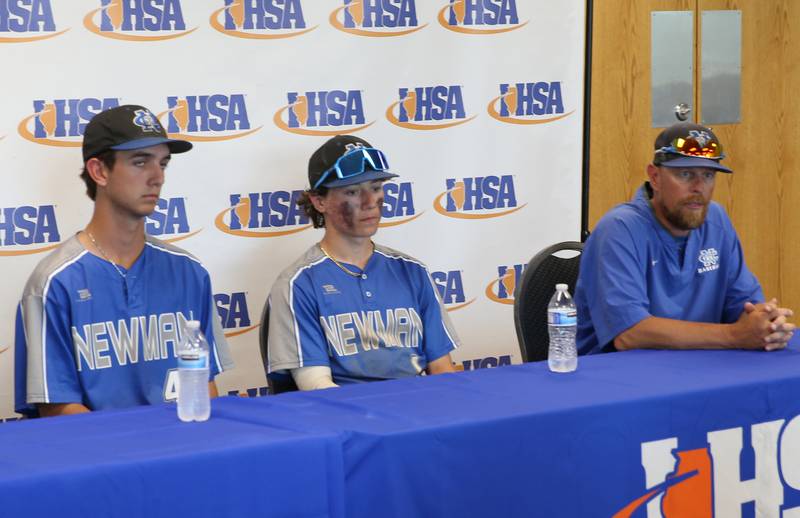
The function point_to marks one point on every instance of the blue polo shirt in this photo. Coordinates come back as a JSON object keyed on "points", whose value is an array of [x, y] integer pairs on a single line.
{"points": [[632, 268]]}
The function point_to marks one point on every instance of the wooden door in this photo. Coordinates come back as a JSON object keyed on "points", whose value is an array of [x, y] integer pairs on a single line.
{"points": [[763, 195]]}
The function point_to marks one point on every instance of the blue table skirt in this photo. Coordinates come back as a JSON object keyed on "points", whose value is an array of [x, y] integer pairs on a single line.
{"points": [[512, 441], [506, 442], [143, 462]]}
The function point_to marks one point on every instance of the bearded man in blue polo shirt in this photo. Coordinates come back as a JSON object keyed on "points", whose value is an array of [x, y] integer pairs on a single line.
{"points": [[666, 270]]}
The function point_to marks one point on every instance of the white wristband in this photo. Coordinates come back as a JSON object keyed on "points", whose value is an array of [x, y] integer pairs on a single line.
{"points": [[313, 378]]}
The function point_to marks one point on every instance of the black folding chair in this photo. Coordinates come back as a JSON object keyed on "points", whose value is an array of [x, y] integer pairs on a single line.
{"points": [[277, 382], [543, 272]]}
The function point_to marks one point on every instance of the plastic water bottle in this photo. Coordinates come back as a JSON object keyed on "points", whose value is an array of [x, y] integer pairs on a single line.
{"points": [[193, 399], [562, 323]]}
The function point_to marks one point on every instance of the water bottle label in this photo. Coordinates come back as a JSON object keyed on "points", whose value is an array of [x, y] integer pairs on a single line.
{"points": [[562, 318], [193, 361]]}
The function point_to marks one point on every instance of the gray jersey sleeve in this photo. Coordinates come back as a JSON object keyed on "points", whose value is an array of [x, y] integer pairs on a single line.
{"points": [[294, 318], [44, 328]]}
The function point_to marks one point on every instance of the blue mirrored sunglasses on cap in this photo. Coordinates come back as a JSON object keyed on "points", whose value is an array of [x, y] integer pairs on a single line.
{"points": [[354, 163]]}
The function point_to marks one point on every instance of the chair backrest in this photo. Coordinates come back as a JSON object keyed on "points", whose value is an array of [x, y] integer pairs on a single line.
{"points": [[277, 382], [538, 284]]}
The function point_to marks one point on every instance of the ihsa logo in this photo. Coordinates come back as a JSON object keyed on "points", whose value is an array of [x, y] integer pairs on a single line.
{"points": [[529, 103], [322, 113], [479, 197], [61, 122], [261, 19], [233, 313], [263, 214], [208, 118], [138, 20], [501, 289], [489, 362], [27, 20], [480, 16], [169, 222], [398, 204], [450, 286], [713, 481], [376, 18], [23, 230], [428, 108]]}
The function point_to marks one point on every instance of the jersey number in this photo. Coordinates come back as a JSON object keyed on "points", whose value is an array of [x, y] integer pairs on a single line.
{"points": [[171, 385]]}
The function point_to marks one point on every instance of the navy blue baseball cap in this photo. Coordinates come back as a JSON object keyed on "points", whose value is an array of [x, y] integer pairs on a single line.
{"points": [[125, 128], [686, 144]]}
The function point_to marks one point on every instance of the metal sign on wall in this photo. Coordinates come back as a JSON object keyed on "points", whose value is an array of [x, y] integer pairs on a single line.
{"points": [[478, 105]]}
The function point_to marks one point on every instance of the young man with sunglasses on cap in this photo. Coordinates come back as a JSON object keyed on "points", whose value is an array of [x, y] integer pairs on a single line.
{"points": [[349, 310], [666, 270], [101, 316]]}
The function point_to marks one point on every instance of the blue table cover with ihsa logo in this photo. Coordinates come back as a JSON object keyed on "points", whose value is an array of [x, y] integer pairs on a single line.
{"points": [[641, 433]]}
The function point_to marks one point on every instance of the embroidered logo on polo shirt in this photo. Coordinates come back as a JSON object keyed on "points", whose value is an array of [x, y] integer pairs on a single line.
{"points": [[330, 289], [710, 259]]}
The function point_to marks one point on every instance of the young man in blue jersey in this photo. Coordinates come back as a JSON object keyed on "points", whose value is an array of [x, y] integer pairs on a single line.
{"points": [[349, 310], [666, 270], [101, 316]]}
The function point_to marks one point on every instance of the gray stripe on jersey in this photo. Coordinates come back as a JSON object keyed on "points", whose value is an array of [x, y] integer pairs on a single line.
{"points": [[283, 350], [35, 323], [449, 329], [222, 352]]}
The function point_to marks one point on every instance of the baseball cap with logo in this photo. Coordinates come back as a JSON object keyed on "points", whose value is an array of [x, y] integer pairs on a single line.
{"points": [[686, 144], [125, 128], [346, 160]]}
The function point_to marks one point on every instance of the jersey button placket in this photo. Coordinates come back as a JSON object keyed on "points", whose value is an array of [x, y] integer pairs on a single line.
{"points": [[129, 297], [367, 289]]}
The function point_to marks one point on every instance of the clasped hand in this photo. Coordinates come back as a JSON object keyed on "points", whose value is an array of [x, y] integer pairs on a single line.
{"points": [[765, 326]]}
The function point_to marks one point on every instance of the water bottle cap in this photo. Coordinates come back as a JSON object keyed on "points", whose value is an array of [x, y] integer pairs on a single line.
{"points": [[192, 324], [561, 287]]}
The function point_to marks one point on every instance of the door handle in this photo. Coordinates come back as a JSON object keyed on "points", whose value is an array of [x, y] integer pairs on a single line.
{"points": [[682, 111]]}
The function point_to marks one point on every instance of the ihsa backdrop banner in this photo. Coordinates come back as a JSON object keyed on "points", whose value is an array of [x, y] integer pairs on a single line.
{"points": [[477, 104]]}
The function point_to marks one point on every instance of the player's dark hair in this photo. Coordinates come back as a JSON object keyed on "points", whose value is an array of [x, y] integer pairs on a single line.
{"points": [[304, 202], [108, 157]]}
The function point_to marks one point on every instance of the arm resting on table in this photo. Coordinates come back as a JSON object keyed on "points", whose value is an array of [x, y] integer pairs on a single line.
{"points": [[441, 365], [313, 378], [54, 409], [761, 326]]}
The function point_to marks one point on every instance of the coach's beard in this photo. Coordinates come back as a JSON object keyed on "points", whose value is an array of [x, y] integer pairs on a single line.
{"points": [[684, 218]]}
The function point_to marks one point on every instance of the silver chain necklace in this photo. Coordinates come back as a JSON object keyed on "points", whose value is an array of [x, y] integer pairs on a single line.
{"points": [[105, 256]]}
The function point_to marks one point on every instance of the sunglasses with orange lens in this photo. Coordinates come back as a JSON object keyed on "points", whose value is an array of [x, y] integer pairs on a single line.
{"points": [[693, 146]]}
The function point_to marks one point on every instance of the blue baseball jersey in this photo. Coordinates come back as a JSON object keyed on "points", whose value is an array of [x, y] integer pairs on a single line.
{"points": [[632, 268], [86, 334], [387, 322]]}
